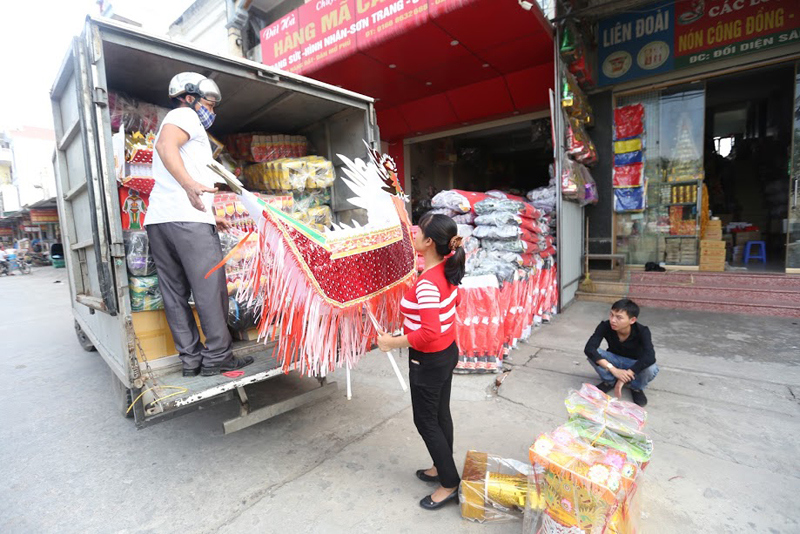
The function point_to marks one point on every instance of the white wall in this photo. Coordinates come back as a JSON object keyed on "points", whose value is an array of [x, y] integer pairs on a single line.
{"points": [[203, 25]]}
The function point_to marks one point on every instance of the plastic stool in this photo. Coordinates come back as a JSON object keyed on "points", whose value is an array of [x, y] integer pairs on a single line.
{"points": [[760, 255]]}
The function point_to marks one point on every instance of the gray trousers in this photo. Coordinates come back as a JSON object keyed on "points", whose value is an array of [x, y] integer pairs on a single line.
{"points": [[184, 252]]}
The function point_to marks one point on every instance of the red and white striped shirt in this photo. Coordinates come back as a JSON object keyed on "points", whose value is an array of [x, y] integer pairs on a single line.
{"points": [[429, 308]]}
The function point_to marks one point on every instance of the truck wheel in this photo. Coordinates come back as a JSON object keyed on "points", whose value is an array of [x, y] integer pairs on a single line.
{"points": [[83, 340], [122, 396]]}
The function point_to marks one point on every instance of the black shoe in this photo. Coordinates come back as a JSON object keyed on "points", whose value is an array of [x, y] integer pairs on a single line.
{"points": [[605, 387], [230, 365], [191, 372], [639, 397], [428, 503], [426, 478]]}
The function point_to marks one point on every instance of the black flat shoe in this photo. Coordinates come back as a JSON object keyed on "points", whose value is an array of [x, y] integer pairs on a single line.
{"points": [[605, 387], [191, 372], [428, 503], [231, 365], [426, 478], [639, 397]]}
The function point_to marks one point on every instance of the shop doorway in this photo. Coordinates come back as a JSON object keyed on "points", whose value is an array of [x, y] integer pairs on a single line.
{"points": [[748, 141], [514, 158]]}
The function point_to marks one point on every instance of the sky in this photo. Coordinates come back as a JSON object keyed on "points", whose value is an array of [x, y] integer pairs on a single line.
{"points": [[34, 39]]}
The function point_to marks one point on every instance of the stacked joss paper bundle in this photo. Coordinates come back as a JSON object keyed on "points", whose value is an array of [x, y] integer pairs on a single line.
{"points": [[588, 472]]}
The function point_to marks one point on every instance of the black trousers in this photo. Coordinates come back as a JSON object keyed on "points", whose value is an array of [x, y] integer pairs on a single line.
{"points": [[431, 377]]}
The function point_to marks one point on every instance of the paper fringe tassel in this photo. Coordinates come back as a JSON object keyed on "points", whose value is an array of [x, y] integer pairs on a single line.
{"points": [[313, 336]]}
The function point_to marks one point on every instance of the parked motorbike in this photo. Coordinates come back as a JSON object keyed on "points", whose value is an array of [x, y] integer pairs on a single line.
{"points": [[37, 259], [13, 264]]}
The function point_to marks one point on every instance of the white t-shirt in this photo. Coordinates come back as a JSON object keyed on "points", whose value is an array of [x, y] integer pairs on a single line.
{"points": [[168, 201]]}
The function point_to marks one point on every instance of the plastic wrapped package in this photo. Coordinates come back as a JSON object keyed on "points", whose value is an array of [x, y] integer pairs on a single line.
{"points": [[444, 211], [465, 230], [471, 244], [311, 198], [579, 145], [496, 193], [464, 218], [497, 232], [240, 316], [493, 489], [479, 330], [491, 205], [628, 121], [629, 199], [145, 294], [132, 114], [457, 200], [451, 200], [580, 487], [504, 245], [543, 198], [628, 175], [499, 218], [137, 253], [621, 416]]}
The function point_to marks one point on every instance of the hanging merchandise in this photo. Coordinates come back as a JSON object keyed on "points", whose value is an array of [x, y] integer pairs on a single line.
{"points": [[628, 145], [629, 175], [628, 158], [579, 146], [629, 199], [574, 101], [628, 121], [133, 208], [145, 294], [137, 253], [685, 163], [573, 185]]}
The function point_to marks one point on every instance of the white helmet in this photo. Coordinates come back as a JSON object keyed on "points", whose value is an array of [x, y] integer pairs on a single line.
{"points": [[194, 84]]}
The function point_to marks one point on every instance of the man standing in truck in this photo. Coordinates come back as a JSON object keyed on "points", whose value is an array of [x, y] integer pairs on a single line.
{"points": [[182, 229]]}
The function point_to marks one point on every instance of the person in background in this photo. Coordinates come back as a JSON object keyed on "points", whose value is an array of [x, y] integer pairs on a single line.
{"points": [[429, 308], [630, 358], [182, 229], [4, 266]]}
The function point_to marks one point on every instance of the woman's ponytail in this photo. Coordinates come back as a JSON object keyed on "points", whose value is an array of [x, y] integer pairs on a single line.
{"points": [[455, 266], [444, 233]]}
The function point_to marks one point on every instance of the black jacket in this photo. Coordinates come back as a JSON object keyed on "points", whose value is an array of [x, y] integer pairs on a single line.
{"points": [[638, 346]]}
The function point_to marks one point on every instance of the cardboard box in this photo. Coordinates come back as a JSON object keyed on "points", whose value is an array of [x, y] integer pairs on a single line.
{"points": [[712, 266], [744, 237], [251, 334], [154, 335], [709, 244]]}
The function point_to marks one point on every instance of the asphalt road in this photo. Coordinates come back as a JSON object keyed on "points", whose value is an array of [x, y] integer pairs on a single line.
{"points": [[723, 416]]}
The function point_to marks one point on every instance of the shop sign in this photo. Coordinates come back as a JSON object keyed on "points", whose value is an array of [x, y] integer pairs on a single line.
{"points": [[43, 215], [675, 35], [638, 44], [5, 231], [324, 31], [30, 228], [720, 29]]}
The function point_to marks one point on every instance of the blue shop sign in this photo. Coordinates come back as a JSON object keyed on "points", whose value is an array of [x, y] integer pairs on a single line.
{"points": [[634, 45]]}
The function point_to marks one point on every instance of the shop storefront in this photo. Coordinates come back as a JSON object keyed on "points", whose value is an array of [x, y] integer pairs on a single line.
{"points": [[703, 124], [462, 100]]}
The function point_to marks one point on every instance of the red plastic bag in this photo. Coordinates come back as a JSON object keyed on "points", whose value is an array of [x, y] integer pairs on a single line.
{"points": [[628, 121], [628, 175]]}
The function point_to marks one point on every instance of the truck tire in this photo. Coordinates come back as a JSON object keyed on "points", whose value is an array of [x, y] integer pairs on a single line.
{"points": [[122, 396], [83, 340]]}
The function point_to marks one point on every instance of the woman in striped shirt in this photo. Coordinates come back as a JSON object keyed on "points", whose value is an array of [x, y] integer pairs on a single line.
{"points": [[429, 309]]}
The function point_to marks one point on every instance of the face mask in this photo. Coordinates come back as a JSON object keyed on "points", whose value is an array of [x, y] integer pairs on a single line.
{"points": [[206, 117]]}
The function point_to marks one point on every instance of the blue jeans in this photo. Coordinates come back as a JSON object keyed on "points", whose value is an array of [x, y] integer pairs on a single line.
{"points": [[641, 379]]}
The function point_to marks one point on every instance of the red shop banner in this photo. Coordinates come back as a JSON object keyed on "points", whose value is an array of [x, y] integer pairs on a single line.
{"points": [[6, 231], [43, 216], [321, 32], [710, 30]]}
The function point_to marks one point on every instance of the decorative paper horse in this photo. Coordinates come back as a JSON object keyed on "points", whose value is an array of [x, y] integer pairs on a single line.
{"points": [[312, 288]]}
